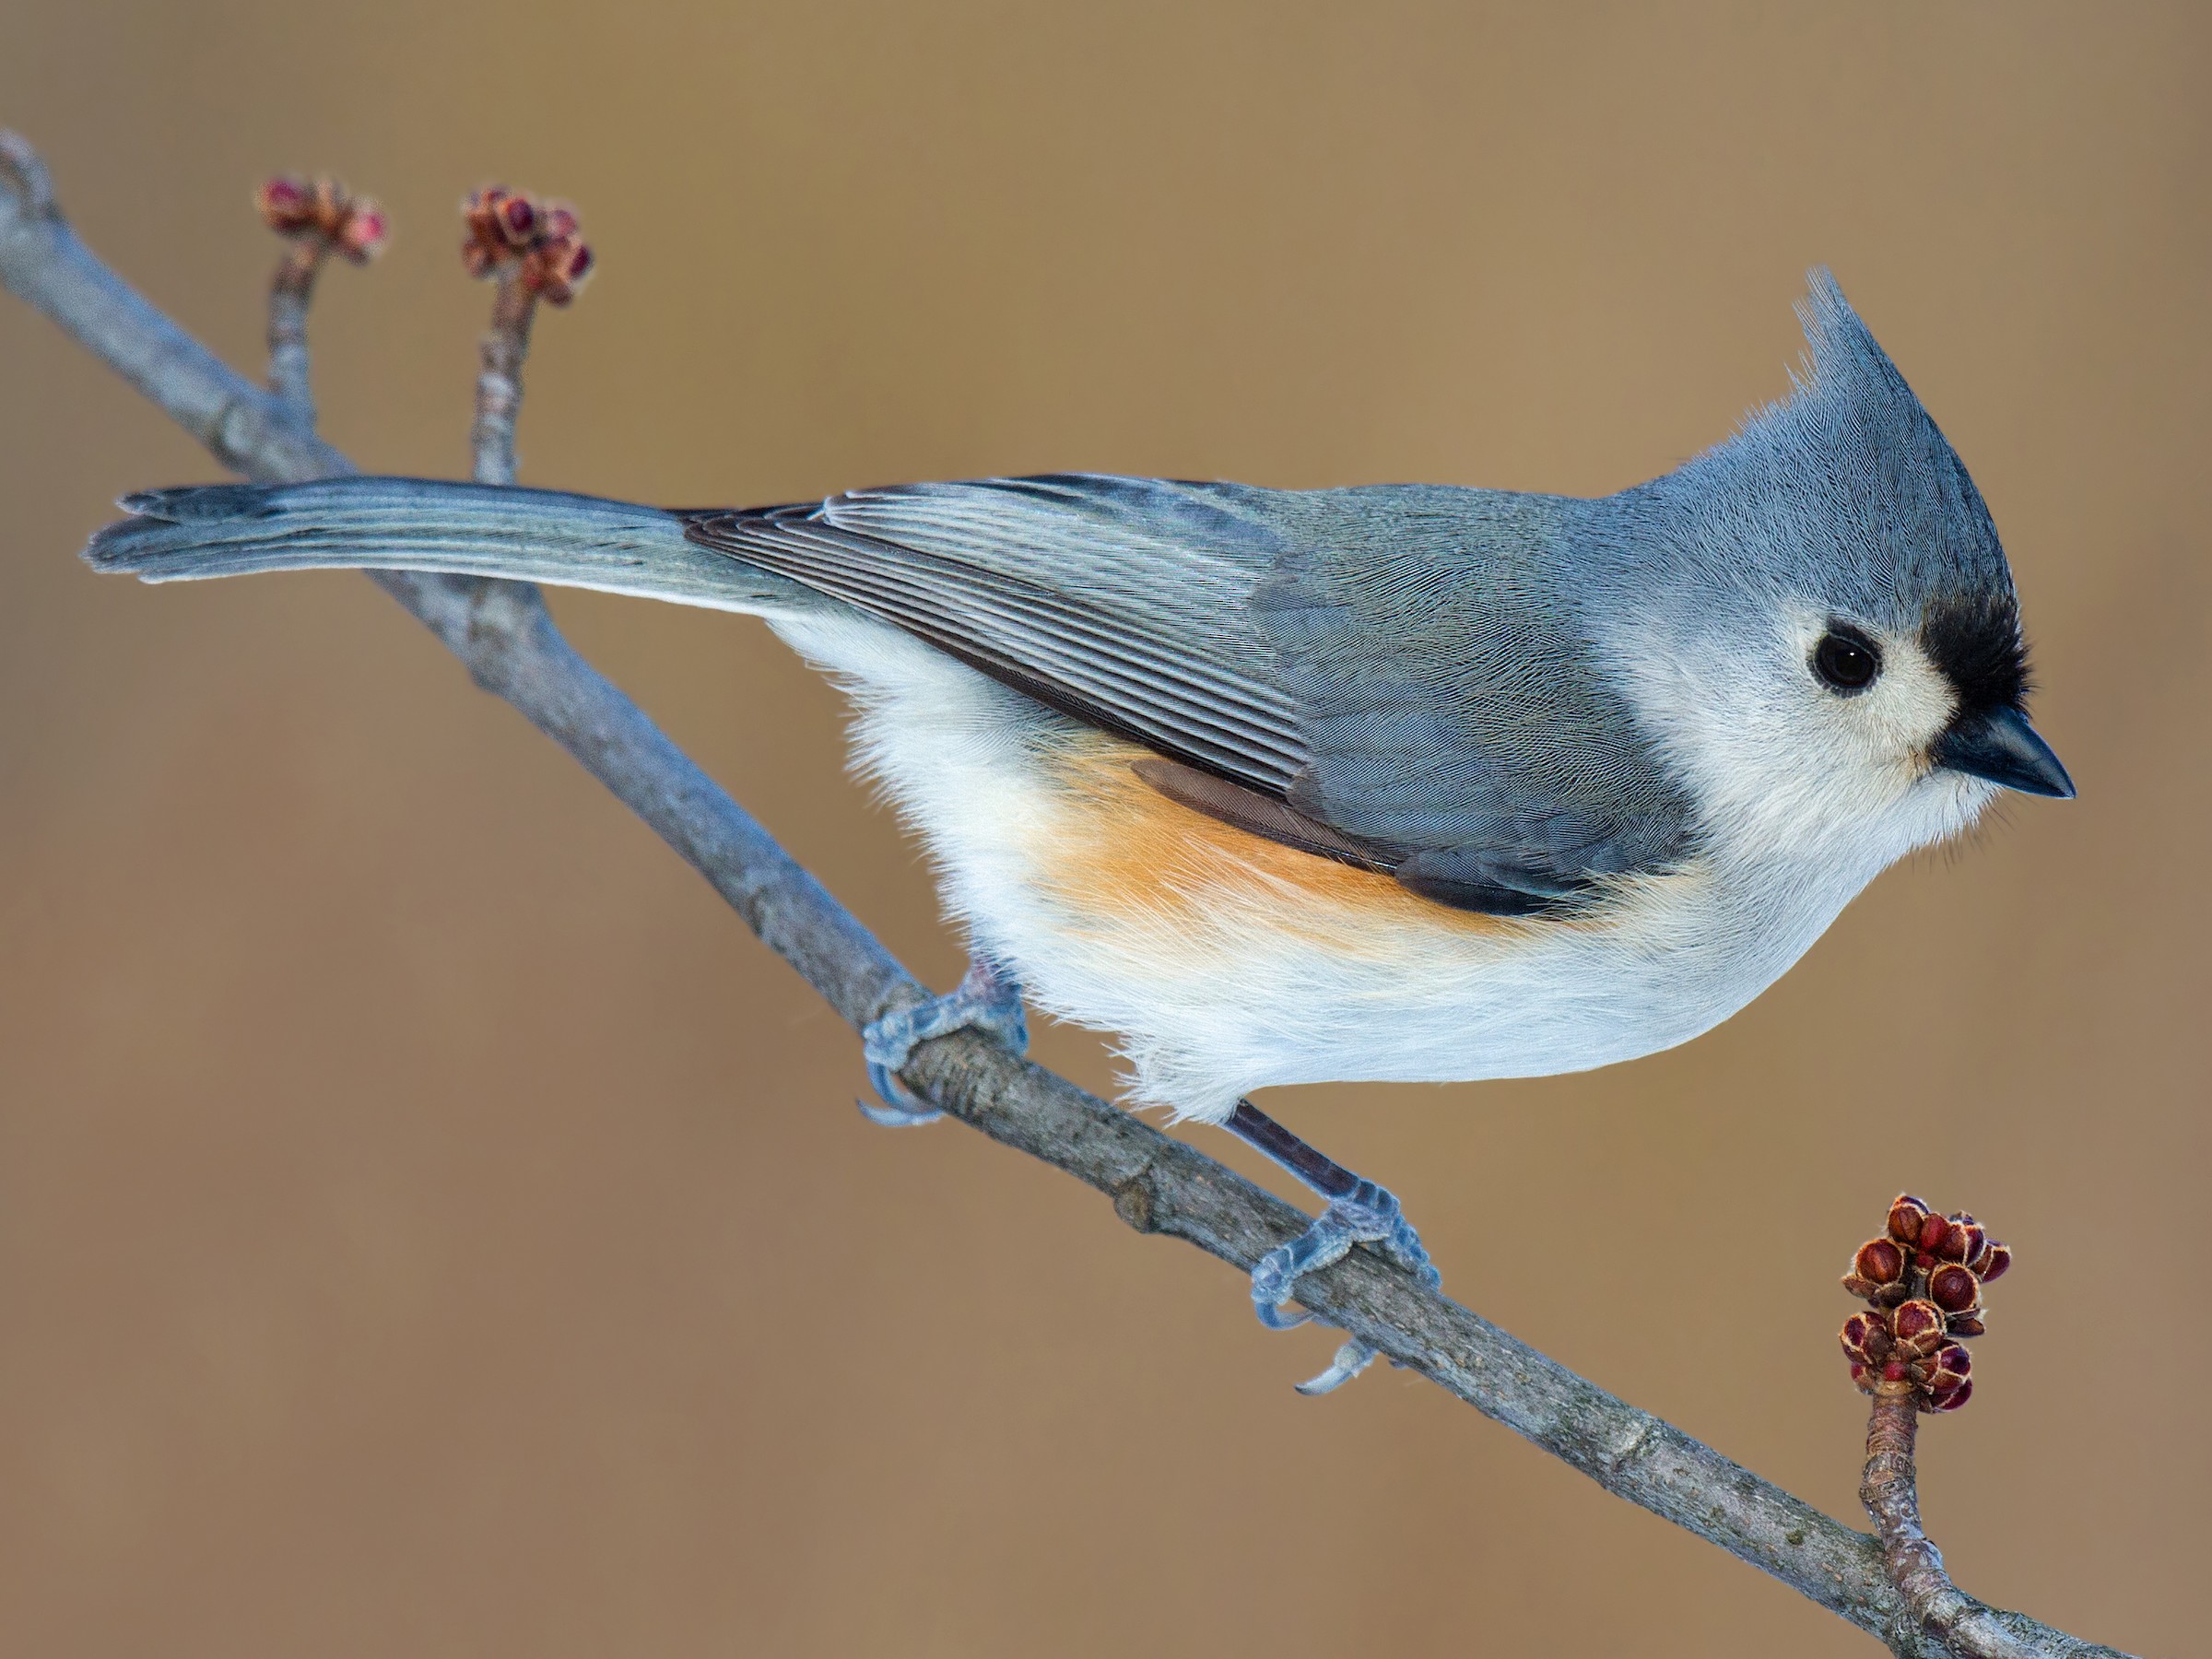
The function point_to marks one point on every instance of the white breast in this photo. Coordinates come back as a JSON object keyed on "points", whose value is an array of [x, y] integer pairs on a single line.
{"points": [[1226, 964]]}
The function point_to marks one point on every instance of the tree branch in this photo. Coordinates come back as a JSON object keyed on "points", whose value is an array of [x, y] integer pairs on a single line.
{"points": [[510, 646], [1931, 1603]]}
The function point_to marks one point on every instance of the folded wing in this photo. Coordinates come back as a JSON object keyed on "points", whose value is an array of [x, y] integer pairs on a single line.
{"points": [[1385, 677], [1124, 602]]}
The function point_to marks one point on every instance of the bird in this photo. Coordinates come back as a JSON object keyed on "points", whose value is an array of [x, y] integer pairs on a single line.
{"points": [[1385, 783]]}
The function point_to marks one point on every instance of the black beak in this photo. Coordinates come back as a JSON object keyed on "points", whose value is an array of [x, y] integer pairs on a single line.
{"points": [[2002, 746]]}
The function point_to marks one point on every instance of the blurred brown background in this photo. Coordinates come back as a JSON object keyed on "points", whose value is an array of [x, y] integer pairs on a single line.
{"points": [[431, 1224]]}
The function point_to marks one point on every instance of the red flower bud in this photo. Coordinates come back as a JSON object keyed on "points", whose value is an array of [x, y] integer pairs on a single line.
{"points": [[1880, 1262], [1923, 1280], [517, 219], [284, 205], [1917, 1327], [486, 245], [363, 235], [1906, 1214], [1948, 1368], [1954, 1289], [1866, 1337], [559, 270], [1950, 1401], [1966, 1238], [481, 212]]}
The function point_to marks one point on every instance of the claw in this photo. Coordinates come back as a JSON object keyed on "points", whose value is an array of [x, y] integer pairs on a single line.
{"points": [[1367, 1214], [986, 1000], [888, 1116], [1359, 1212], [1351, 1359]]}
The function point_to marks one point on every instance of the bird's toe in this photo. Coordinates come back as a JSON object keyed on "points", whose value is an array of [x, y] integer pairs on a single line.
{"points": [[987, 999]]}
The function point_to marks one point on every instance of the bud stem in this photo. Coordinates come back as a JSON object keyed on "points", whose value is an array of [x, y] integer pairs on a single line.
{"points": [[1890, 1491], [290, 291], [499, 377]]}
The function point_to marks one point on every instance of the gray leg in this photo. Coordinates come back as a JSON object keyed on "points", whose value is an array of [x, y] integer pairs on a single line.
{"points": [[1359, 1212], [987, 999]]}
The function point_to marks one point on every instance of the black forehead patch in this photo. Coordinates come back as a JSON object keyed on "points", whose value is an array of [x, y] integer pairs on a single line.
{"points": [[1977, 644]]}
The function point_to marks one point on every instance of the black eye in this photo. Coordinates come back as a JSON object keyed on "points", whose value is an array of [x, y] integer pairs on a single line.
{"points": [[1847, 660]]}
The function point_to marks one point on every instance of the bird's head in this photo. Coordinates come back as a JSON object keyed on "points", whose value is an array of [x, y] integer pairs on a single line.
{"points": [[1835, 656]]}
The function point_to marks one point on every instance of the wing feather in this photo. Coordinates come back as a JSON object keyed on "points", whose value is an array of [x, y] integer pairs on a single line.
{"points": [[997, 572], [1388, 676]]}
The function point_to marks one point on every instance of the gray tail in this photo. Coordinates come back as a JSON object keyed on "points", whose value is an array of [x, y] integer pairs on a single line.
{"points": [[427, 524]]}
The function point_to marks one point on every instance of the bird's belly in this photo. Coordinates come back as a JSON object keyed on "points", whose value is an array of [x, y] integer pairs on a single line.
{"points": [[1231, 964], [1226, 962]]}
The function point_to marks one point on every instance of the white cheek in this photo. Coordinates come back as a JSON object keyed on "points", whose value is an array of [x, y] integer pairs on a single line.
{"points": [[1894, 720], [1786, 769]]}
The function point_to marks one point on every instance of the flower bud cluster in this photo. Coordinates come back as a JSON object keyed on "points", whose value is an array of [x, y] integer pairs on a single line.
{"points": [[1922, 1279], [514, 227], [354, 226]]}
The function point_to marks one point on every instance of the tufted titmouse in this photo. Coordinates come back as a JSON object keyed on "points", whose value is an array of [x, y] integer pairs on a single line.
{"points": [[1391, 783]]}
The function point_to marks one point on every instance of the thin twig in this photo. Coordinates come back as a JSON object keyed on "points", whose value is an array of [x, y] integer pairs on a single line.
{"points": [[1932, 1605], [316, 217], [500, 378], [1158, 1184], [534, 249], [291, 291]]}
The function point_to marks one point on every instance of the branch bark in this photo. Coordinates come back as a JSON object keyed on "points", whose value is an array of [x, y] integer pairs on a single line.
{"points": [[504, 637], [500, 379], [1933, 1604]]}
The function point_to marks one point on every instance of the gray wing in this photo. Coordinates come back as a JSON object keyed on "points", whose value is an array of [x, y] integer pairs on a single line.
{"points": [[1390, 676], [1453, 705], [1124, 601]]}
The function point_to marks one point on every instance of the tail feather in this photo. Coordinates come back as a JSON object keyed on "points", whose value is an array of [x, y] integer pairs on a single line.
{"points": [[190, 533]]}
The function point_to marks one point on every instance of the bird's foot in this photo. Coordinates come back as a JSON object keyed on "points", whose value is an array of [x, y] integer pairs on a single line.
{"points": [[1359, 1212], [987, 1000], [1367, 1214]]}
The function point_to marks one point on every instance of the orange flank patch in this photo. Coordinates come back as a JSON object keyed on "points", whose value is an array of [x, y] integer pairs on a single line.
{"points": [[1125, 853]]}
